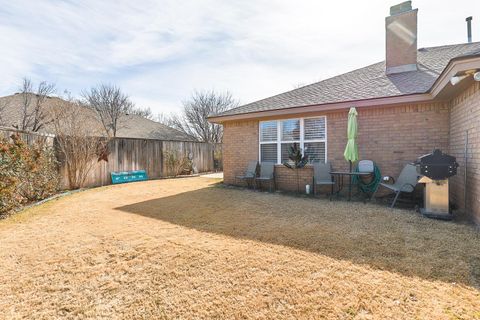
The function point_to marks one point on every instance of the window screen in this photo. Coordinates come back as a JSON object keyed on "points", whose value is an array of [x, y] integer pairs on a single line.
{"points": [[315, 151], [291, 130], [268, 152], [277, 136], [268, 131], [314, 128], [285, 148]]}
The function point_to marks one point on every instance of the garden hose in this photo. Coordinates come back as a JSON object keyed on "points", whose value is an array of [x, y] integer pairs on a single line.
{"points": [[368, 187]]}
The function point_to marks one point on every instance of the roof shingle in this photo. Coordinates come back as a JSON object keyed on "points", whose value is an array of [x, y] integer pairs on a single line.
{"points": [[366, 83], [130, 126]]}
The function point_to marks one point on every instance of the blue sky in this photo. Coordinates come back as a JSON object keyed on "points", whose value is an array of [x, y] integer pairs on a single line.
{"points": [[160, 51]]}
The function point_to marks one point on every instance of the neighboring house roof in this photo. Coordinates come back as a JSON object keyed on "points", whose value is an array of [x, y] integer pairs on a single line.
{"points": [[366, 83], [130, 126], [135, 126]]}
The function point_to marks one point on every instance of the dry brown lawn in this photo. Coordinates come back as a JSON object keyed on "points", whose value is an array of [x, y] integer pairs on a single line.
{"points": [[189, 249]]}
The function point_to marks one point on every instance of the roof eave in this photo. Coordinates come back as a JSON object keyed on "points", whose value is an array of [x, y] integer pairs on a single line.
{"points": [[421, 97], [454, 66]]}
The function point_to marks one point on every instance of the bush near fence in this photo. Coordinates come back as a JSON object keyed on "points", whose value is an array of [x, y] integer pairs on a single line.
{"points": [[28, 172], [126, 154]]}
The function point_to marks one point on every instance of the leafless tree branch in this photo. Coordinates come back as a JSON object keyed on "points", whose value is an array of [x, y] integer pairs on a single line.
{"points": [[3, 106], [110, 104], [34, 115], [80, 140], [193, 119], [143, 112]]}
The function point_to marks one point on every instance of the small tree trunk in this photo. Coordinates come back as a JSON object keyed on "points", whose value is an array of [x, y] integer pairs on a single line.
{"points": [[298, 183]]}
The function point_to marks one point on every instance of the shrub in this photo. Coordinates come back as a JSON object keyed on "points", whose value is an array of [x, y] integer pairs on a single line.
{"points": [[27, 173], [177, 163], [80, 141], [217, 158]]}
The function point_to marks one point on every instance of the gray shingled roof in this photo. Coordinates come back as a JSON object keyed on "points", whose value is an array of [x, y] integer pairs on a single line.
{"points": [[134, 126], [366, 83], [130, 126]]}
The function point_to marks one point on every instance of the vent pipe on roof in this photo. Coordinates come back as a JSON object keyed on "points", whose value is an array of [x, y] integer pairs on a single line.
{"points": [[469, 29]]}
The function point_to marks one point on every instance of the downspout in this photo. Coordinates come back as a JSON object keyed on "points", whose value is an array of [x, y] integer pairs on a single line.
{"points": [[465, 173]]}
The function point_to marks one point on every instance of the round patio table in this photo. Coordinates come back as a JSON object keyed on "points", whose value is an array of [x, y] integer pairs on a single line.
{"points": [[341, 175]]}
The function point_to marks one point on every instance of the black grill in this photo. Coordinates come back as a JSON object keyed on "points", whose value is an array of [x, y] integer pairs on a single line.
{"points": [[437, 165]]}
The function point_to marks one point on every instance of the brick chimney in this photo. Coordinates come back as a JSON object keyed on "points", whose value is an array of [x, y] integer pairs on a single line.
{"points": [[401, 38]]}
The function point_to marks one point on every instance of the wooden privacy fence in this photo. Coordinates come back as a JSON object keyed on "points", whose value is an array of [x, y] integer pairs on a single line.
{"points": [[126, 154], [29, 137]]}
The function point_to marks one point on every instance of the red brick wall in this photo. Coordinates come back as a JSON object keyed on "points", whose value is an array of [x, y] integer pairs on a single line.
{"points": [[395, 136], [240, 145], [286, 179], [391, 136], [465, 115]]}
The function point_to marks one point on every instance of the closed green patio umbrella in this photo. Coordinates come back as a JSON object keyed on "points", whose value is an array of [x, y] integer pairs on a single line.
{"points": [[351, 149]]}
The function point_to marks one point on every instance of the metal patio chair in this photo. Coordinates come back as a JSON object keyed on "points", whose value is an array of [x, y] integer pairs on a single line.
{"points": [[322, 176], [367, 184], [366, 166], [406, 182], [266, 174], [249, 174]]}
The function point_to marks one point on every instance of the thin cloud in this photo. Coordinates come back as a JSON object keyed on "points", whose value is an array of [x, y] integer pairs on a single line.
{"points": [[161, 51]]}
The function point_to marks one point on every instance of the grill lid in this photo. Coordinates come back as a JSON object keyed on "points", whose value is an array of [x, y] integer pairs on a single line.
{"points": [[437, 165]]}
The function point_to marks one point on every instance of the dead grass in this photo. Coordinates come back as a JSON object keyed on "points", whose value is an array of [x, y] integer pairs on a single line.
{"points": [[187, 249]]}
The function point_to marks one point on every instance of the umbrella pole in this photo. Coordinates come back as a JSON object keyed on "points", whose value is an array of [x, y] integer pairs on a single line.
{"points": [[350, 185]]}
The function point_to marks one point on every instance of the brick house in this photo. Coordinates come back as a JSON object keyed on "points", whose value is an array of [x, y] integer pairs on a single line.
{"points": [[407, 105]]}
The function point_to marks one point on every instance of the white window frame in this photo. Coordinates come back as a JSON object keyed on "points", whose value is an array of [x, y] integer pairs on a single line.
{"points": [[302, 140]]}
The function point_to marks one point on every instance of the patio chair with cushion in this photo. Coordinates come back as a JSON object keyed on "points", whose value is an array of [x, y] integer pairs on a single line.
{"points": [[266, 174], [406, 182], [249, 174], [322, 176]]}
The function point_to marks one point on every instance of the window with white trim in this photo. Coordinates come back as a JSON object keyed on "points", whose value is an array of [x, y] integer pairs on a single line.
{"points": [[268, 141], [276, 136]]}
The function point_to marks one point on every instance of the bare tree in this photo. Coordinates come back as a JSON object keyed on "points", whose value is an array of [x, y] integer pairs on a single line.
{"points": [[26, 91], [193, 119], [3, 106], [304, 84], [176, 121], [79, 138], [34, 114], [110, 104], [143, 112], [299, 85], [164, 118]]}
